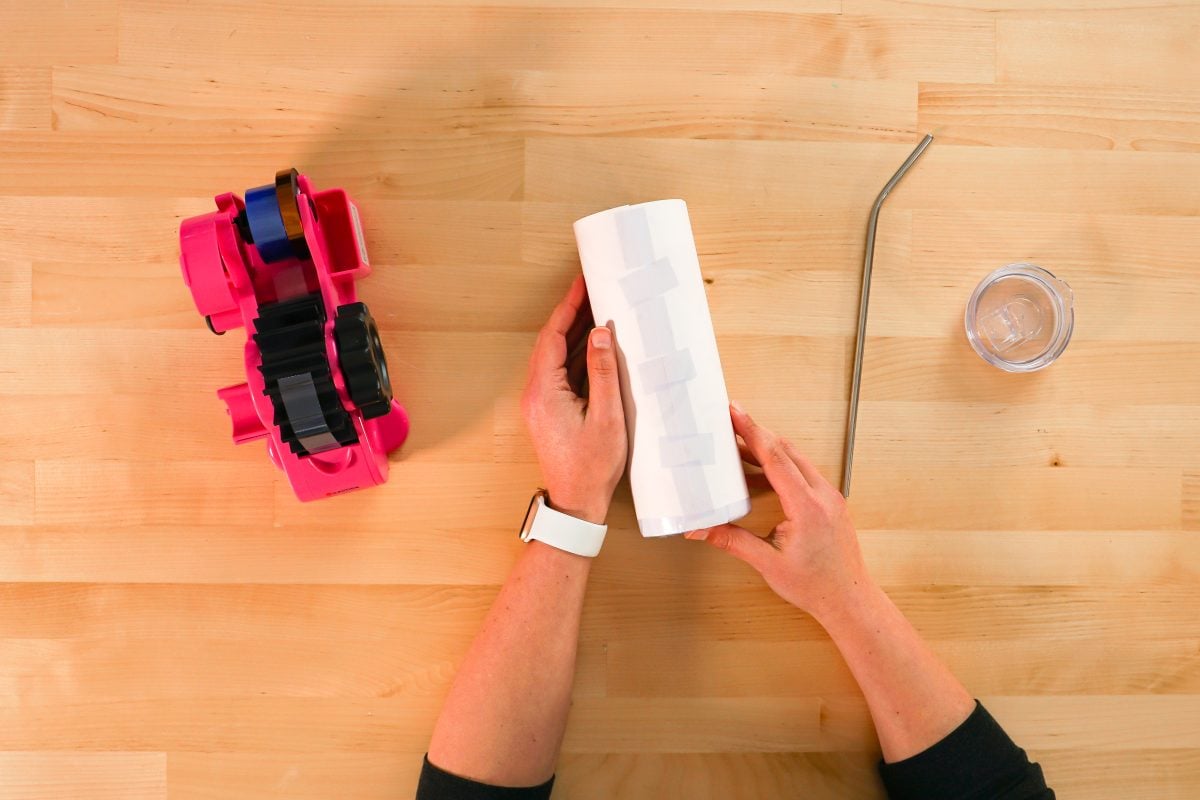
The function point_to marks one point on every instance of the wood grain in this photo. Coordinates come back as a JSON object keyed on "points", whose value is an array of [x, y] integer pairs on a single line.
{"points": [[1068, 117], [312, 776], [1047, 10], [175, 626], [841, 175], [99, 776], [578, 38], [441, 102], [1155, 53], [16, 293], [24, 98], [79, 32]]}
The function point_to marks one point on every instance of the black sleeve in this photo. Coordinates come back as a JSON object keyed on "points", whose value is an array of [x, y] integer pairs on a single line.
{"points": [[976, 761], [437, 784]]}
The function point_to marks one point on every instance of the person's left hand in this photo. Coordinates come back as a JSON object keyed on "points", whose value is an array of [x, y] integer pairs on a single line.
{"points": [[580, 442]]}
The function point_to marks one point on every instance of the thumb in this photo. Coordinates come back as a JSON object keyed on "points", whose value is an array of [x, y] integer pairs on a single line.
{"points": [[738, 542], [604, 387]]}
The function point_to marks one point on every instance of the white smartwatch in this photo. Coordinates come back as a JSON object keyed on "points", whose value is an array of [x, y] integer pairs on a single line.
{"points": [[561, 530]]}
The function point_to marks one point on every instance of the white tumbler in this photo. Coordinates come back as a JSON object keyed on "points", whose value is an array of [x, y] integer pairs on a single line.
{"points": [[643, 279]]}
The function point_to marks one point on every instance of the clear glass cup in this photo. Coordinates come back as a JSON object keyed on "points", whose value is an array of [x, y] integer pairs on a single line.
{"points": [[1020, 318]]}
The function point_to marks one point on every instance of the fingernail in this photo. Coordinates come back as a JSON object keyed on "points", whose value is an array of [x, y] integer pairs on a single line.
{"points": [[737, 407], [601, 338], [698, 536]]}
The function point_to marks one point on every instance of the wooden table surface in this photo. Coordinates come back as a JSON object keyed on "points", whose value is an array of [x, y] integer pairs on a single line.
{"points": [[175, 625]]}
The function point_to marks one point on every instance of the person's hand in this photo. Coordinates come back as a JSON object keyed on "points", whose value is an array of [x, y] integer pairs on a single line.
{"points": [[580, 443], [812, 558]]}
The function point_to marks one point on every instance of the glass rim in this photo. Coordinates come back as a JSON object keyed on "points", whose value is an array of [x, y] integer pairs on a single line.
{"points": [[1064, 318]]}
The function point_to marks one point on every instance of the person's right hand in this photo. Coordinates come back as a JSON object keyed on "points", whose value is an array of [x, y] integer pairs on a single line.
{"points": [[812, 558]]}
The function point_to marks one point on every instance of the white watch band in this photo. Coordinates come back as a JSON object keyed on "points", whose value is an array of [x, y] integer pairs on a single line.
{"points": [[560, 530]]}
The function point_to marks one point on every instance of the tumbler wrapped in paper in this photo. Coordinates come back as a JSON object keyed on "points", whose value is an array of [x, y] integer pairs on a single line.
{"points": [[643, 278]]}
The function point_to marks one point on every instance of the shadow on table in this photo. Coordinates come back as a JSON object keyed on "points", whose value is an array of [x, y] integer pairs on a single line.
{"points": [[439, 181]]}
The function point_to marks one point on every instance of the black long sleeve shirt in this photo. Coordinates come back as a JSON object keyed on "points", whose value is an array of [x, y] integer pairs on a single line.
{"points": [[976, 761]]}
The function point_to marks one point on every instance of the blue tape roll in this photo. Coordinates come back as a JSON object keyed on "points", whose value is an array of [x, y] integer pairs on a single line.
{"points": [[266, 224]]}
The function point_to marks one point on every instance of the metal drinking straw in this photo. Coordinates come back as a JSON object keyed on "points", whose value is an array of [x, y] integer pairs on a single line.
{"points": [[852, 419]]}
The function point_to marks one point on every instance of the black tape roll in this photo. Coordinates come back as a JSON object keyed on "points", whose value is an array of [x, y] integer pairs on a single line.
{"points": [[364, 367]]}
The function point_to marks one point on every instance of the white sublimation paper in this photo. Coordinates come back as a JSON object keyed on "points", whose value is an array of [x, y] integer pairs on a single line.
{"points": [[643, 278]]}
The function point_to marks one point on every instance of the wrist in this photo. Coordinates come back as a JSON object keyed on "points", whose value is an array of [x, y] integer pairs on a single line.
{"points": [[550, 555], [580, 505], [848, 605]]}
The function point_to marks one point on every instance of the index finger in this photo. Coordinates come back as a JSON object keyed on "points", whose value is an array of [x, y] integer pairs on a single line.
{"points": [[771, 453], [807, 468], [564, 313], [550, 351]]}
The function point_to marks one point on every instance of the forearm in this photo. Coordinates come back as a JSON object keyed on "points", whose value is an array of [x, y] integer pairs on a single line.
{"points": [[914, 699], [504, 718]]}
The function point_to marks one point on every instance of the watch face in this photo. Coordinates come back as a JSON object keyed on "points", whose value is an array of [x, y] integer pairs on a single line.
{"points": [[530, 514]]}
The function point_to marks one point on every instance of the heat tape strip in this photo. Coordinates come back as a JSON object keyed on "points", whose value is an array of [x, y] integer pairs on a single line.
{"points": [[680, 450], [654, 327], [637, 246], [674, 367], [692, 486], [639, 285], [665, 526], [304, 413], [675, 406]]}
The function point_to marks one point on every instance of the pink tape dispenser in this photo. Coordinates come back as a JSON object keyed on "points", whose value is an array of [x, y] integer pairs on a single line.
{"points": [[283, 264]]}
